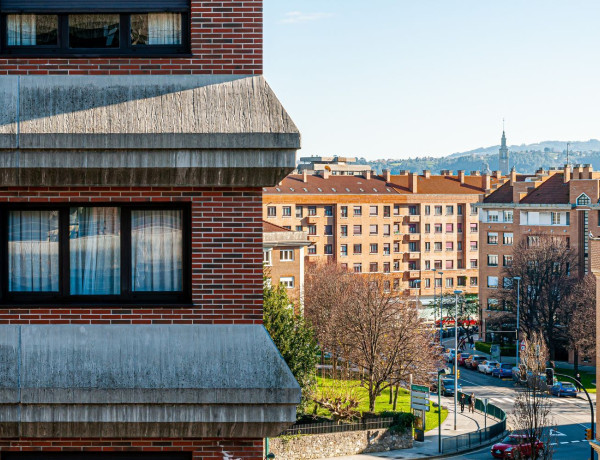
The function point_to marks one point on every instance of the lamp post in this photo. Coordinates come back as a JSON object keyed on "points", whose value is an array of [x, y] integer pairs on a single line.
{"points": [[518, 280], [441, 295], [456, 293]]}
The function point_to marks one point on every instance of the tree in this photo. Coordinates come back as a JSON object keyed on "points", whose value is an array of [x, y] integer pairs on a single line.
{"points": [[544, 264], [532, 416], [581, 321], [293, 336], [468, 312]]}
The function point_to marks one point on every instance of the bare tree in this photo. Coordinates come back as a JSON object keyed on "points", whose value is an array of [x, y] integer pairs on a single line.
{"points": [[545, 264], [532, 416], [581, 319]]}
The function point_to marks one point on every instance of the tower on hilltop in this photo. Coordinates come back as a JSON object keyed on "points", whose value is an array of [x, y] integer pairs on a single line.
{"points": [[503, 156]]}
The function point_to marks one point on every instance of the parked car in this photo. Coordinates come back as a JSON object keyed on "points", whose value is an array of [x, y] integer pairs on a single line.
{"points": [[503, 371], [448, 387], [473, 361], [515, 446], [462, 357], [563, 389], [487, 366]]}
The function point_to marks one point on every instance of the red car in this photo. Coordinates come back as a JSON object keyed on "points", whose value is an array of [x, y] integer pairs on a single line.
{"points": [[516, 444], [462, 357]]}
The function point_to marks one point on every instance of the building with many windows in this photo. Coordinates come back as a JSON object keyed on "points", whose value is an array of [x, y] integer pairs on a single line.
{"points": [[421, 229], [559, 202], [136, 139]]}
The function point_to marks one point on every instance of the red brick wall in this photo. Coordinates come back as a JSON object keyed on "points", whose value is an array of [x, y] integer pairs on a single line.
{"points": [[226, 257], [226, 38], [204, 449]]}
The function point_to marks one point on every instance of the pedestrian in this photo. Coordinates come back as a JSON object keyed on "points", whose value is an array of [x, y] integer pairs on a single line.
{"points": [[578, 377], [472, 403], [462, 402]]}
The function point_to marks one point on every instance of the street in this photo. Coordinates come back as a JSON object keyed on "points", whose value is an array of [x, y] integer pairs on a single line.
{"points": [[571, 415]]}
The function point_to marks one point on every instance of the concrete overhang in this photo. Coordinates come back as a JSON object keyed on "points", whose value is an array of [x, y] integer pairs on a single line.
{"points": [[143, 381], [189, 130], [287, 238]]}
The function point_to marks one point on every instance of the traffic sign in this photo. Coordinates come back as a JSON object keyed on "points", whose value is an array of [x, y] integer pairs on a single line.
{"points": [[419, 400], [419, 388], [522, 347], [420, 407]]}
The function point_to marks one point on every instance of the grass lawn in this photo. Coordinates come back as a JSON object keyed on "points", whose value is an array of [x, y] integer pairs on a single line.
{"points": [[381, 403], [586, 378]]}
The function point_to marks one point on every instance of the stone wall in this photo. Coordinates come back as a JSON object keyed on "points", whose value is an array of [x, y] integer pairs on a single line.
{"points": [[306, 447]]}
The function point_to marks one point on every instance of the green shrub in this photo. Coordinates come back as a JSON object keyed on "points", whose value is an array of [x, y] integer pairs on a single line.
{"points": [[402, 420], [485, 347]]}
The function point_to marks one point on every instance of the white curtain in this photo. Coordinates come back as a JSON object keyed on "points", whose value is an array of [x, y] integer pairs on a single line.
{"points": [[95, 251], [164, 28], [21, 29], [156, 250], [33, 251]]}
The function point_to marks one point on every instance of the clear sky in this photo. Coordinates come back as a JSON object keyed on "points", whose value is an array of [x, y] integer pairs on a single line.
{"points": [[400, 78]]}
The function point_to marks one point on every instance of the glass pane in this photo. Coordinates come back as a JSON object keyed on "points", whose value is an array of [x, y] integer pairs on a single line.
{"points": [[95, 250], [33, 251], [156, 29], [156, 250], [31, 29], [94, 30]]}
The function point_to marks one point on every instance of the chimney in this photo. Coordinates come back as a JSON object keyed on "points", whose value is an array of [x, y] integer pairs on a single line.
{"points": [[325, 174], [304, 176], [578, 172], [513, 176], [412, 182], [387, 174], [498, 174], [486, 182], [475, 173], [367, 174], [427, 173], [587, 171], [461, 176], [567, 173]]}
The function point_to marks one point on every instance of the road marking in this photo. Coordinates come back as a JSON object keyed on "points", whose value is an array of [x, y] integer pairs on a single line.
{"points": [[556, 433], [565, 442]]}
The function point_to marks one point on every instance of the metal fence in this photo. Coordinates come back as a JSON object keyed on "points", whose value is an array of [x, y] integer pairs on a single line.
{"points": [[335, 427], [479, 437]]}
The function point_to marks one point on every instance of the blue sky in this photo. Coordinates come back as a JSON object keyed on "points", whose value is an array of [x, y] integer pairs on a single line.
{"points": [[399, 78]]}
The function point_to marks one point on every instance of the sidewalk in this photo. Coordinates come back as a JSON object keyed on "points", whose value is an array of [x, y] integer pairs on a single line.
{"points": [[465, 423]]}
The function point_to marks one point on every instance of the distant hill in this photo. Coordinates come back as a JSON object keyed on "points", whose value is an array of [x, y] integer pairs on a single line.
{"points": [[526, 158]]}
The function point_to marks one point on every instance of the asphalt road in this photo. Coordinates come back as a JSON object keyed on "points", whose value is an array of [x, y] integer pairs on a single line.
{"points": [[571, 415]]}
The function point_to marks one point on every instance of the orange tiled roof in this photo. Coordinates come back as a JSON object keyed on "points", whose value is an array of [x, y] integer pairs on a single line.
{"points": [[442, 185], [268, 227]]}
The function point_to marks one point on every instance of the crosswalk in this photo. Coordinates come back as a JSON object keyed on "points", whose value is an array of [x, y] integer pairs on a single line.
{"points": [[554, 401]]}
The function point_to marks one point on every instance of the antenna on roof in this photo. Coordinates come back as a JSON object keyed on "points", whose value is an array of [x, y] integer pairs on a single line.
{"points": [[568, 143]]}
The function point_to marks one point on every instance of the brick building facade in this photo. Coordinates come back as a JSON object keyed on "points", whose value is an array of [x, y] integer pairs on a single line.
{"points": [[405, 226], [131, 227]]}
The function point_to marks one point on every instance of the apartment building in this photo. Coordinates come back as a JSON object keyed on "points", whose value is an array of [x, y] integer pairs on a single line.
{"points": [[136, 139], [283, 252], [560, 202], [421, 229]]}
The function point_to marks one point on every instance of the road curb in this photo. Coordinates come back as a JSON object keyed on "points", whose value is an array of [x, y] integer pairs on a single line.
{"points": [[471, 449]]}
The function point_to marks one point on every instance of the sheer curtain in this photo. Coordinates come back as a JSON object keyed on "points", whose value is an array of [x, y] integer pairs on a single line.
{"points": [[33, 251], [95, 250], [164, 28], [21, 29], [156, 250]]}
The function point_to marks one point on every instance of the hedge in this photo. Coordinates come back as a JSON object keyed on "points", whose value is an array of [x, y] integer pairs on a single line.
{"points": [[485, 347]]}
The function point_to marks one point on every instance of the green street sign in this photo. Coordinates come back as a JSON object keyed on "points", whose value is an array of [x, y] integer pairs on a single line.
{"points": [[419, 388]]}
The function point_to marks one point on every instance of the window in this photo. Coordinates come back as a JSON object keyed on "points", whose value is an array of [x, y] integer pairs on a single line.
{"points": [[412, 210], [396, 209], [449, 265], [449, 282], [473, 281], [459, 227], [287, 227], [396, 229], [507, 282], [358, 249], [373, 229], [343, 230], [461, 281], [312, 210], [386, 249], [555, 218], [459, 246], [449, 246], [121, 32], [437, 228], [427, 265], [386, 267], [492, 260], [328, 230], [120, 253], [583, 200], [473, 228], [287, 281], [373, 267], [449, 228], [459, 209], [492, 216], [267, 257], [427, 210], [312, 230], [507, 261], [386, 286], [473, 209], [312, 249], [298, 228], [328, 211], [437, 210], [357, 211], [396, 284], [492, 282], [412, 228], [507, 239], [473, 263], [437, 264], [396, 265], [344, 250], [396, 246], [287, 211], [328, 249], [386, 211], [493, 304], [344, 211], [271, 211], [357, 268], [373, 249], [427, 228], [533, 241], [344, 266], [357, 230], [386, 229], [437, 246], [427, 246], [299, 212], [437, 282], [373, 210], [492, 238], [412, 246], [508, 216], [449, 210], [473, 245], [459, 264], [286, 255]]}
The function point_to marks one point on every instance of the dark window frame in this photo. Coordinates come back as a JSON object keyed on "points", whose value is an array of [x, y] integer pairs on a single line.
{"points": [[127, 295], [125, 48]]}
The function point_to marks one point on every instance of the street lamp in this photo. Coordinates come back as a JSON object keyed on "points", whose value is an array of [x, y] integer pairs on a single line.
{"points": [[456, 293], [518, 280]]}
